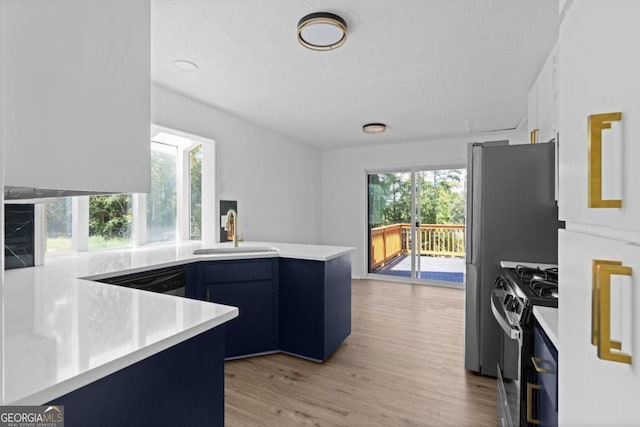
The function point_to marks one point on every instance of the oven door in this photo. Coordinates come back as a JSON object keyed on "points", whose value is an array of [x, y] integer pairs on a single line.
{"points": [[508, 396]]}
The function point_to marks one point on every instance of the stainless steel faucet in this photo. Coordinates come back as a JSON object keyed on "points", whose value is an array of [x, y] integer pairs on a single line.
{"points": [[234, 214]]}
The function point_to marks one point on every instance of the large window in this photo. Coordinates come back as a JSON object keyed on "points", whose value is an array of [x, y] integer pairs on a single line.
{"points": [[171, 211], [162, 200]]}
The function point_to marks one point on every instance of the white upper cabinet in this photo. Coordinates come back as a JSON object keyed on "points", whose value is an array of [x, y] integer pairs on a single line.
{"points": [[77, 94], [599, 153], [542, 102]]}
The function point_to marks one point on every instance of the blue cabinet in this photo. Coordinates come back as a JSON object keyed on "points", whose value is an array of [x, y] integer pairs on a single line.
{"points": [[546, 356], [250, 285], [300, 307], [180, 386], [315, 306]]}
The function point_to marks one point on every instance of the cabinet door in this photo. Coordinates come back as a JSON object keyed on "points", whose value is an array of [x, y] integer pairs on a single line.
{"points": [[546, 101], [77, 94], [253, 331], [547, 378], [598, 75], [592, 390], [542, 102]]}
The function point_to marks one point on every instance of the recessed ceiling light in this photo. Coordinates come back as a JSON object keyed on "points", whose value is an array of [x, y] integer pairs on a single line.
{"points": [[185, 65], [322, 31], [374, 128]]}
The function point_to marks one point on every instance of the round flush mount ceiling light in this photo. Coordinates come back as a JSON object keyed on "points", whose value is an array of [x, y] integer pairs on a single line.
{"points": [[322, 31], [374, 128], [185, 65]]}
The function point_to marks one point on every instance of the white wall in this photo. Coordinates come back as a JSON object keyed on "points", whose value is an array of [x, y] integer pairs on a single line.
{"points": [[344, 185], [275, 179]]}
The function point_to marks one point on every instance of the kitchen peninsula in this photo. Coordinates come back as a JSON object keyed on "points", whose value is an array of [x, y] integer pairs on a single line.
{"points": [[77, 342]]}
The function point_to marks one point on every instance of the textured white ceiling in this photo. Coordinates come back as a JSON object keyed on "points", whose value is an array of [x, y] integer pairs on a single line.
{"points": [[429, 69]]}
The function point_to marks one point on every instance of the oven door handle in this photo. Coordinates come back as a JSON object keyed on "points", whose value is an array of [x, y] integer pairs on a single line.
{"points": [[501, 316]]}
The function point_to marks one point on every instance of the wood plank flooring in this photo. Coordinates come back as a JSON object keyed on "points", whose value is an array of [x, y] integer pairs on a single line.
{"points": [[403, 365]]}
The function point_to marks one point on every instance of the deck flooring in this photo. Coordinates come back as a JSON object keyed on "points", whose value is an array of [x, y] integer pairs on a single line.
{"points": [[403, 365], [449, 269]]}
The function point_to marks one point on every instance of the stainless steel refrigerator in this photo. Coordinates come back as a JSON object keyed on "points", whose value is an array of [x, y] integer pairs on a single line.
{"points": [[511, 216]]}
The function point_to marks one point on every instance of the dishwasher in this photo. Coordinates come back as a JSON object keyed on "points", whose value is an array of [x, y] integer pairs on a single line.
{"points": [[169, 280]]}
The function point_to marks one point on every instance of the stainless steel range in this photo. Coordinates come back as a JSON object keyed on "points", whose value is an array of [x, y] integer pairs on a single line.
{"points": [[517, 290]]}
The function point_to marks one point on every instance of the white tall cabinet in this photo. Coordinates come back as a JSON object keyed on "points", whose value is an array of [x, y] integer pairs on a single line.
{"points": [[599, 198], [77, 94]]}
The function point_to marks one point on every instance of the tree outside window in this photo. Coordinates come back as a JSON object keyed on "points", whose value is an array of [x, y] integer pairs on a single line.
{"points": [[110, 220]]}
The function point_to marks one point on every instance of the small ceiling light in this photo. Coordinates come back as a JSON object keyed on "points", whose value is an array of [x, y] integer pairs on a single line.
{"points": [[322, 31], [374, 128], [185, 65]]}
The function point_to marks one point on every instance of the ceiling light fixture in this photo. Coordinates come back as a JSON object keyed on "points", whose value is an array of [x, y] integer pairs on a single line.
{"points": [[322, 31], [185, 65], [374, 128]]}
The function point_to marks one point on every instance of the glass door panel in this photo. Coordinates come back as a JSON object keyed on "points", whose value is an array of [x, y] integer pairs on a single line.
{"points": [[389, 222]]}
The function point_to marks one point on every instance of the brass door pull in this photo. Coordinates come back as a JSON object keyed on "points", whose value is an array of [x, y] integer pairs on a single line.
{"points": [[597, 123], [530, 388], [538, 368], [601, 310]]}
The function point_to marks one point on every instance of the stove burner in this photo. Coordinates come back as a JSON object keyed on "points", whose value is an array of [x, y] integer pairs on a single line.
{"points": [[529, 274], [544, 288]]}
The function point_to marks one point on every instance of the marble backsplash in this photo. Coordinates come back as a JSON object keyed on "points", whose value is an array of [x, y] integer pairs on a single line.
{"points": [[18, 235]]}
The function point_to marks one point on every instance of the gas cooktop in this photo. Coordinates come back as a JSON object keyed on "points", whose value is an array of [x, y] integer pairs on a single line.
{"points": [[534, 286]]}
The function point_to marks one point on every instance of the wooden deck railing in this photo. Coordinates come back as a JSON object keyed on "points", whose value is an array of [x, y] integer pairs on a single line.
{"points": [[389, 241]]}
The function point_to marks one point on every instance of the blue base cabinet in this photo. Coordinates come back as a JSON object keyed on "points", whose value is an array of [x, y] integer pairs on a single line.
{"points": [[252, 286], [180, 386], [296, 306], [315, 306], [547, 396]]}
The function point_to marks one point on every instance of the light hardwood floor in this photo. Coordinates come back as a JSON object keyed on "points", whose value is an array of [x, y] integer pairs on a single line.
{"points": [[403, 365]]}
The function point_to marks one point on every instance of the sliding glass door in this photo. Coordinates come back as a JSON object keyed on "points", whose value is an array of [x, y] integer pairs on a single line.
{"points": [[416, 224]]}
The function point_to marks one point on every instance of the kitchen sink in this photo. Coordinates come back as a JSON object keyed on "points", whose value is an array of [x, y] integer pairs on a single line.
{"points": [[239, 250]]}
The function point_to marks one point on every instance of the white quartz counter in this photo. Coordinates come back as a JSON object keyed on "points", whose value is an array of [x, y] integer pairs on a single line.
{"points": [[548, 319], [61, 332]]}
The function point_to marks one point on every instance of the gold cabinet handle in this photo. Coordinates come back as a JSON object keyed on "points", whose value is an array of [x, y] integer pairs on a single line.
{"points": [[538, 368], [597, 123], [595, 301], [601, 310], [530, 388], [533, 136]]}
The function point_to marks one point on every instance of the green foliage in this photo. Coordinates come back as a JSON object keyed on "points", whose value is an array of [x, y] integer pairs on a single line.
{"points": [[441, 195], [110, 216], [389, 199]]}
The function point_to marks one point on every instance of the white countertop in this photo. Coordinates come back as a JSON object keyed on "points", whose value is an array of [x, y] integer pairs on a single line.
{"points": [[60, 332], [548, 319]]}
